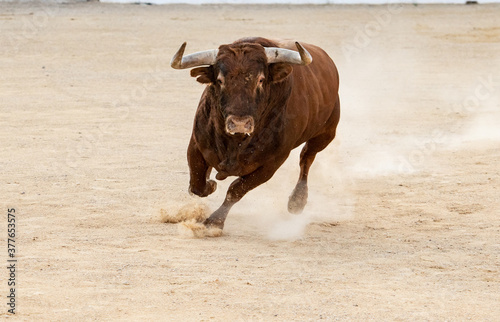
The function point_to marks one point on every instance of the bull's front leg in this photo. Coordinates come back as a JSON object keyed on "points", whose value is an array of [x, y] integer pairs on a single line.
{"points": [[238, 189], [199, 172]]}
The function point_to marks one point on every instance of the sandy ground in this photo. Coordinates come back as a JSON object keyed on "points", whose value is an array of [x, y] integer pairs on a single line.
{"points": [[403, 219]]}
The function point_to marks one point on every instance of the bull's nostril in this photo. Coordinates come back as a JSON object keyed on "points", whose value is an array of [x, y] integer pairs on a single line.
{"points": [[242, 125], [248, 125]]}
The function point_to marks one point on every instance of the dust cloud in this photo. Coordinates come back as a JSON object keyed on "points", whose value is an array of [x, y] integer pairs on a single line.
{"points": [[483, 126]]}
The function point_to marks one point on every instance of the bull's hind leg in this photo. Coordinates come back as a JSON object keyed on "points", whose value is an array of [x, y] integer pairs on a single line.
{"points": [[298, 199]]}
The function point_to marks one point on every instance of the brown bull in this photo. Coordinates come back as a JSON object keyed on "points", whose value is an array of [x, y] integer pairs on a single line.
{"points": [[263, 99]]}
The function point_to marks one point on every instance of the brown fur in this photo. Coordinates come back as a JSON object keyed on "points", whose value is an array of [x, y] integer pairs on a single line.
{"points": [[291, 105]]}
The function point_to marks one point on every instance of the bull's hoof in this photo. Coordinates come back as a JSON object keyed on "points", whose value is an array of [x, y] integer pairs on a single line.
{"points": [[214, 223], [210, 187], [298, 200], [296, 206], [193, 229]]}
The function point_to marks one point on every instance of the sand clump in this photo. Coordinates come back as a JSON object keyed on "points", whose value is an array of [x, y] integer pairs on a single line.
{"points": [[190, 218], [193, 229], [194, 210]]}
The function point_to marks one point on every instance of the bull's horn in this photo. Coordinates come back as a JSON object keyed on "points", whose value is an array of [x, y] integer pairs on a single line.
{"points": [[281, 55], [206, 57]]}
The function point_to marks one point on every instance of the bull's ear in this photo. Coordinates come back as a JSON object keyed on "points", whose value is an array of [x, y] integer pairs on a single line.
{"points": [[279, 71], [205, 75]]}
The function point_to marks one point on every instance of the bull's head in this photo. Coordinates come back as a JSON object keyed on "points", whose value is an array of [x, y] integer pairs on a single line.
{"points": [[241, 76]]}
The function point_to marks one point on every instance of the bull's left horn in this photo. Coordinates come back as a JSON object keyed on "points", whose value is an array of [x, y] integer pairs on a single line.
{"points": [[281, 55], [179, 61]]}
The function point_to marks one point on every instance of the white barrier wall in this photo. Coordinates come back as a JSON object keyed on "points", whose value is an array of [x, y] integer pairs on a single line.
{"points": [[295, 1]]}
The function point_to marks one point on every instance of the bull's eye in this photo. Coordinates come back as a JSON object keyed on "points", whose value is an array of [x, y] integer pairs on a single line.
{"points": [[220, 81], [262, 79]]}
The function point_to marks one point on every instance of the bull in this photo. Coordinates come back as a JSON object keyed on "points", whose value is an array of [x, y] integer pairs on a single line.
{"points": [[263, 98]]}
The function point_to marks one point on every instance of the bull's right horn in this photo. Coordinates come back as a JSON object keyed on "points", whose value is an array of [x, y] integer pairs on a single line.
{"points": [[179, 61]]}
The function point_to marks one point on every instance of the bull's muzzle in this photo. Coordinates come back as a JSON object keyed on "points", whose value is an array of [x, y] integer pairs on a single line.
{"points": [[240, 125]]}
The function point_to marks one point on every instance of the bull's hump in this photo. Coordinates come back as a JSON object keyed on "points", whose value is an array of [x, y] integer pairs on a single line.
{"points": [[270, 42], [286, 43]]}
